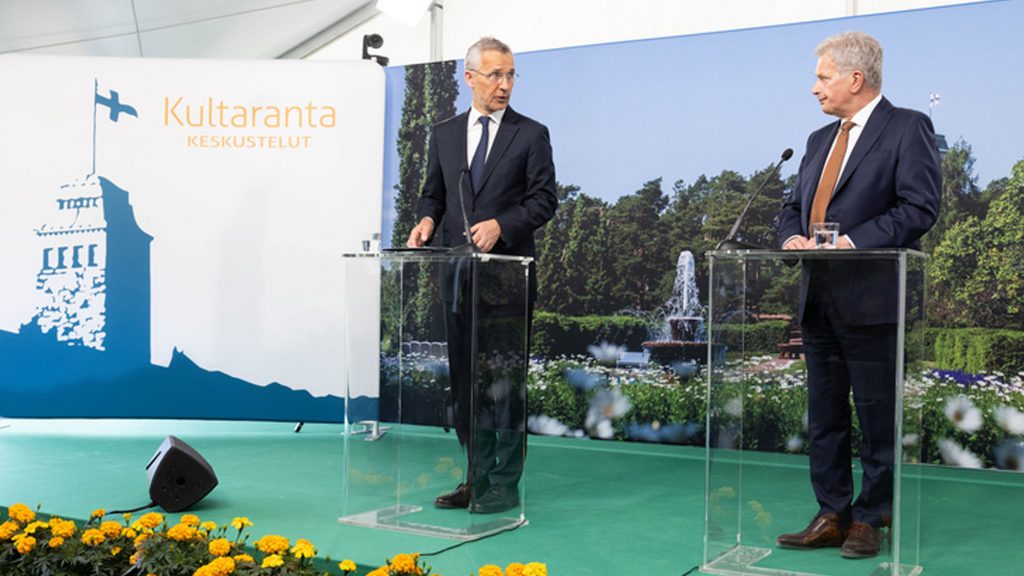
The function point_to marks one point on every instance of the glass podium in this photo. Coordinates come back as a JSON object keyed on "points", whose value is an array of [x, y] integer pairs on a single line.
{"points": [[435, 391], [758, 482]]}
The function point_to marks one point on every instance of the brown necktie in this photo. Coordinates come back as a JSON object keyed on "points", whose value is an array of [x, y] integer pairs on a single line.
{"points": [[831, 175]]}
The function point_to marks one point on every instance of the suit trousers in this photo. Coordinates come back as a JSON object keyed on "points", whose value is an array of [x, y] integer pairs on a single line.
{"points": [[488, 371], [842, 356]]}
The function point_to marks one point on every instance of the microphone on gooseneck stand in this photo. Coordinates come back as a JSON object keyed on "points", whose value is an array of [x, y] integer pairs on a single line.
{"points": [[730, 242], [469, 247]]}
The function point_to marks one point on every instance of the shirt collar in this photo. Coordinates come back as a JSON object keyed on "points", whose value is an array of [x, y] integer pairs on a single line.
{"points": [[862, 115], [474, 116]]}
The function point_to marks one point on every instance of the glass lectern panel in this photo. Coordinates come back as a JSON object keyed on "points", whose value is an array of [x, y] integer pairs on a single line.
{"points": [[440, 399], [762, 387]]}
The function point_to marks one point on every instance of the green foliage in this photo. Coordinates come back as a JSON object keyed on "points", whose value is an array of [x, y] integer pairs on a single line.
{"points": [[977, 350], [558, 335], [754, 337]]}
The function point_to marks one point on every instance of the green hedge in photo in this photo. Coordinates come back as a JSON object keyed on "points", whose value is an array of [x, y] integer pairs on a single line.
{"points": [[977, 350], [557, 335], [754, 337]]}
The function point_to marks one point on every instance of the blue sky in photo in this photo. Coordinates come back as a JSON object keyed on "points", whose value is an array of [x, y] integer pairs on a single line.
{"points": [[676, 108]]}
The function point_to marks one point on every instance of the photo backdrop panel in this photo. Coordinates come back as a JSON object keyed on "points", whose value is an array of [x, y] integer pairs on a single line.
{"points": [[173, 232]]}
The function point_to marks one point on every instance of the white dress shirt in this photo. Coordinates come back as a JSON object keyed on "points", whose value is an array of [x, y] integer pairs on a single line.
{"points": [[475, 129]]}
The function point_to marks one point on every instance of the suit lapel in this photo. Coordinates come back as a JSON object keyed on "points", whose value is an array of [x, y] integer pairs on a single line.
{"points": [[876, 124], [506, 132]]}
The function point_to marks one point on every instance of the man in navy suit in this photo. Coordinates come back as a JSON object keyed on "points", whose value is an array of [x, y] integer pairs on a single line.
{"points": [[876, 173], [499, 163]]}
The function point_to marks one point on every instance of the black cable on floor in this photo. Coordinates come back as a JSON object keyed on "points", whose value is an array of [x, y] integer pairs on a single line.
{"points": [[691, 570], [112, 512], [454, 546]]}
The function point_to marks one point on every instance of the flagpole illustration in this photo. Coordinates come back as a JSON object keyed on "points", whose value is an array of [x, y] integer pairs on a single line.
{"points": [[95, 93]]}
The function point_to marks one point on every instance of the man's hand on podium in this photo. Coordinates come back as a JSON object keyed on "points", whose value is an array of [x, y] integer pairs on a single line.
{"points": [[421, 233]]}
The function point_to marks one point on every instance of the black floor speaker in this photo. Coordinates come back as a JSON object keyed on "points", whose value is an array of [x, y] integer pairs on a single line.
{"points": [[179, 476]]}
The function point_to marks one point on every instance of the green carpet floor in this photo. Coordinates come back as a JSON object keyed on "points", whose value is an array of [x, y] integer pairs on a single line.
{"points": [[593, 507]]}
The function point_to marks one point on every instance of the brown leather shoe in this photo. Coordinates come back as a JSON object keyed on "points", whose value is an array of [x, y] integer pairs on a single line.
{"points": [[825, 531], [864, 541], [458, 498]]}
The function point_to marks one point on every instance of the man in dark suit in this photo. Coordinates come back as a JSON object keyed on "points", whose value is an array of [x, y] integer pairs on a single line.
{"points": [[876, 173], [499, 163]]}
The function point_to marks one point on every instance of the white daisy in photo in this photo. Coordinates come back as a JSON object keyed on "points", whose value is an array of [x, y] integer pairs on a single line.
{"points": [[963, 413], [606, 353], [1010, 455], [1010, 419], [546, 425], [794, 444], [607, 404], [954, 454]]}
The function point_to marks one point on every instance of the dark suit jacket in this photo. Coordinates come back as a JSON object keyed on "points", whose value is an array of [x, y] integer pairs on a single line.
{"points": [[518, 187], [887, 196]]}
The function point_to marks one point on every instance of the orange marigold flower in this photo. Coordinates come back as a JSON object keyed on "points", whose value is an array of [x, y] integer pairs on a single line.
{"points": [[8, 529], [240, 522], [98, 513], [55, 542], [272, 544], [490, 570], [115, 550], [181, 532], [111, 529], [272, 561], [25, 545], [382, 571], [535, 569], [239, 558], [219, 547], [515, 569], [62, 528], [128, 532], [303, 549], [134, 559], [92, 537], [190, 520], [406, 563], [208, 526], [21, 513], [221, 566], [33, 526], [150, 520], [347, 566], [140, 539]]}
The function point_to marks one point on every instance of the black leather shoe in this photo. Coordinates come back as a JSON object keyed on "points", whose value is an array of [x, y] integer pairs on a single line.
{"points": [[458, 498], [864, 541], [825, 531], [495, 499]]}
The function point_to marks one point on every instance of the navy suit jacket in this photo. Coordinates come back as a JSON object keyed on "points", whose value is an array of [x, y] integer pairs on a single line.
{"points": [[887, 196], [517, 190]]}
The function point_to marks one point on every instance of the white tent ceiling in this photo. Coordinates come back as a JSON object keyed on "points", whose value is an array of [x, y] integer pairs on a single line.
{"points": [[177, 28]]}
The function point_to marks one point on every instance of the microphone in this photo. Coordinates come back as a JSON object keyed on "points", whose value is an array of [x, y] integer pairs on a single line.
{"points": [[469, 247], [730, 242]]}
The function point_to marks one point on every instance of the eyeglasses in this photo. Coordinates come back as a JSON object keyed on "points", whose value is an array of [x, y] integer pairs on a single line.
{"points": [[510, 77]]}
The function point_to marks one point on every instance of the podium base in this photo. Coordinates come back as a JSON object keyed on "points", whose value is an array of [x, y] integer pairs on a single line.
{"points": [[739, 561], [395, 518]]}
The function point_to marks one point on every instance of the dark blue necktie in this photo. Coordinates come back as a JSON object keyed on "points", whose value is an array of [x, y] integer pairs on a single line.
{"points": [[476, 168]]}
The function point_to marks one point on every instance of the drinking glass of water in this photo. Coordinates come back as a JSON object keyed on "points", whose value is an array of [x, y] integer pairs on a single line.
{"points": [[826, 234]]}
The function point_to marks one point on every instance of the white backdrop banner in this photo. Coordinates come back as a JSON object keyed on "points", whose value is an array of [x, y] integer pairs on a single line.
{"points": [[172, 233]]}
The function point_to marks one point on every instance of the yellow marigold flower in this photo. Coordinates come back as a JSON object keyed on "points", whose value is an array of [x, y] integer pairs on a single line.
{"points": [[219, 547], [272, 561], [128, 532], [303, 549], [111, 529], [347, 566], [55, 542], [208, 526], [115, 550], [21, 513], [190, 520], [382, 571], [150, 520], [33, 526], [239, 558], [272, 544], [181, 532], [203, 571], [515, 569], [127, 516], [92, 537], [140, 539], [221, 566], [98, 513], [240, 522], [490, 570], [62, 528], [535, 569], [8, 529], [25, 545], [134, 559], [405, 563]]}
